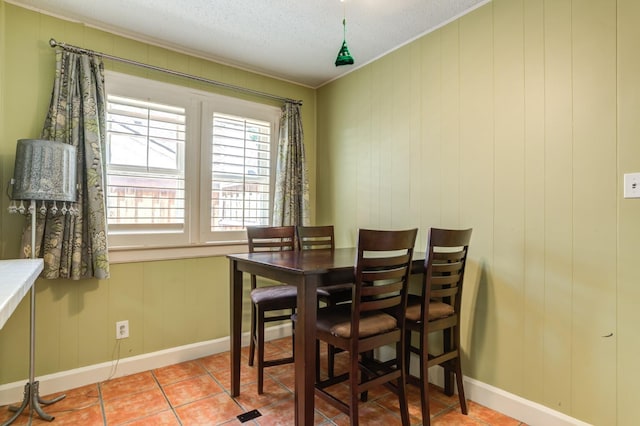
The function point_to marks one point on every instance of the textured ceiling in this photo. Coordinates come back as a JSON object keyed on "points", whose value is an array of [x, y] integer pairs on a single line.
{"points": [[294, 40]]}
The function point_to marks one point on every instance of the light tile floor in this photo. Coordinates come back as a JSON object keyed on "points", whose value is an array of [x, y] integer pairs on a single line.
{"points": [[197, 393]]}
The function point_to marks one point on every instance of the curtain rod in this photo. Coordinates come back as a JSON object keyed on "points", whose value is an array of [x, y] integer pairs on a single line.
{"points": [[75, 49]]}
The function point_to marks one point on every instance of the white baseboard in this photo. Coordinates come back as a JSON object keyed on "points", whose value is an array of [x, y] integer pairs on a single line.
{"points": [[497, 399], [517, 407], [11, 393], [489, 396]]}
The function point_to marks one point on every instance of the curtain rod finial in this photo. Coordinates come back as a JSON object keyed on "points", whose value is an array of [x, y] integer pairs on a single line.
{"points": [[53, 42]]}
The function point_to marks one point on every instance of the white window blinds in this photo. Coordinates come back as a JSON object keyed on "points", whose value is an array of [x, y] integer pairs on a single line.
{"points": [[240, 172]]}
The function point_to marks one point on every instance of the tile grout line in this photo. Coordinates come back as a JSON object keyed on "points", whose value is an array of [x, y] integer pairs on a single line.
{"points": [[164, 394], [102, 410]]}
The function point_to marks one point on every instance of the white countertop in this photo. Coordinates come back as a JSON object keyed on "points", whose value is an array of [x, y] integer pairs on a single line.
{"points": [[16, 278]]}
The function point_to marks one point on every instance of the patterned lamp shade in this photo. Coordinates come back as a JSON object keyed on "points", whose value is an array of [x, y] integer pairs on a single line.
{"points": [[44, 170]]}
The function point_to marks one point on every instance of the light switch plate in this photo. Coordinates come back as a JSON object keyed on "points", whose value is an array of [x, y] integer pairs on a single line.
{"points": [[632, 185]]}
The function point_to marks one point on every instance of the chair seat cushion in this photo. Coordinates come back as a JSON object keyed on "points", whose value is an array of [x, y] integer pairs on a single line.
{"points": [[341, 292], [336, 320], [284, 295], [437, 310]]}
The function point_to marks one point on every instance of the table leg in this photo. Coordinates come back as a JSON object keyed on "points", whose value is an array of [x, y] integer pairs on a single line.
{"points": [[236, 326], [305, 355]]}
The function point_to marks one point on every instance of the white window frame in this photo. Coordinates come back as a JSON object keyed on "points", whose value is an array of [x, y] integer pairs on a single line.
{"points": [[199, 108]]}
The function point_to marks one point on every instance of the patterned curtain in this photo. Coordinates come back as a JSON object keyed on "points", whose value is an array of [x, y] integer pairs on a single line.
{"points": [[75, 245], [291, 199]]}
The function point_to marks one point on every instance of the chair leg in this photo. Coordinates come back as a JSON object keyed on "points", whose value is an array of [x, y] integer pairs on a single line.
{"points": [[407, 352], [252, 337], [293, 335], [463, 400], [353, 382], [402, 385], [424, 378], [447, 344], [458, 371], [260, 344], [331, 355], [366, 356], [449, 378], [331, 351], [317, 361]]}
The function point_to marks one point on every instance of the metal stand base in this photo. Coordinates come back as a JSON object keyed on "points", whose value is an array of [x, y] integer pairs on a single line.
{"points": [[33, 400], [31, 397]]}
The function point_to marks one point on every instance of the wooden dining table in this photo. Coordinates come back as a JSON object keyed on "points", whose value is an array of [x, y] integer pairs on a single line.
{"points": [[307, 270]]}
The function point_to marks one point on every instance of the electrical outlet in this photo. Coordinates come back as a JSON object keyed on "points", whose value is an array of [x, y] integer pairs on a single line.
{"points": [[122, 329], [632, 185]]}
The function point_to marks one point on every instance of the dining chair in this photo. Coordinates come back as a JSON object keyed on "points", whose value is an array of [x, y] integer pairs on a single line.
{"points": [[269, 302], [437, 309], [322, 237], [374, 318]]}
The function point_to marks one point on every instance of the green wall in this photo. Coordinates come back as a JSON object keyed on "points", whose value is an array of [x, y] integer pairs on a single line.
{"points": [[167, 303], [518, 120]]}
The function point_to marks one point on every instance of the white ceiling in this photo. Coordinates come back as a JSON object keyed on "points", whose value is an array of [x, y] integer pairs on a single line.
{"points": [[294, 40]]}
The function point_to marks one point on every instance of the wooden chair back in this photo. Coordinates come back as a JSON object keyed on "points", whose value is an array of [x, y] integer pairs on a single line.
{"points": [[445, 263], [270, 238], [382, 274], [315, 237]]}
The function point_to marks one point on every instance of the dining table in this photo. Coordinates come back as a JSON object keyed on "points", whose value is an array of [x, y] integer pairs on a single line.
{"points": [[307, 270]]}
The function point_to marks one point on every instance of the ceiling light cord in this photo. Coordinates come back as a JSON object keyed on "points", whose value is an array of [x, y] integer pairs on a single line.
{"points": [[344, 29], [344, 20]]}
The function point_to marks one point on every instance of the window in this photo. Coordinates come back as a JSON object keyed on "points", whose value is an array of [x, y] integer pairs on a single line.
{"points": [[185, 167], [145, 154], [241, 169]]}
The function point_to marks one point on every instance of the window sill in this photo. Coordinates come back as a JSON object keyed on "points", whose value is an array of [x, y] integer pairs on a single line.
{"points": [[149, 254]]}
